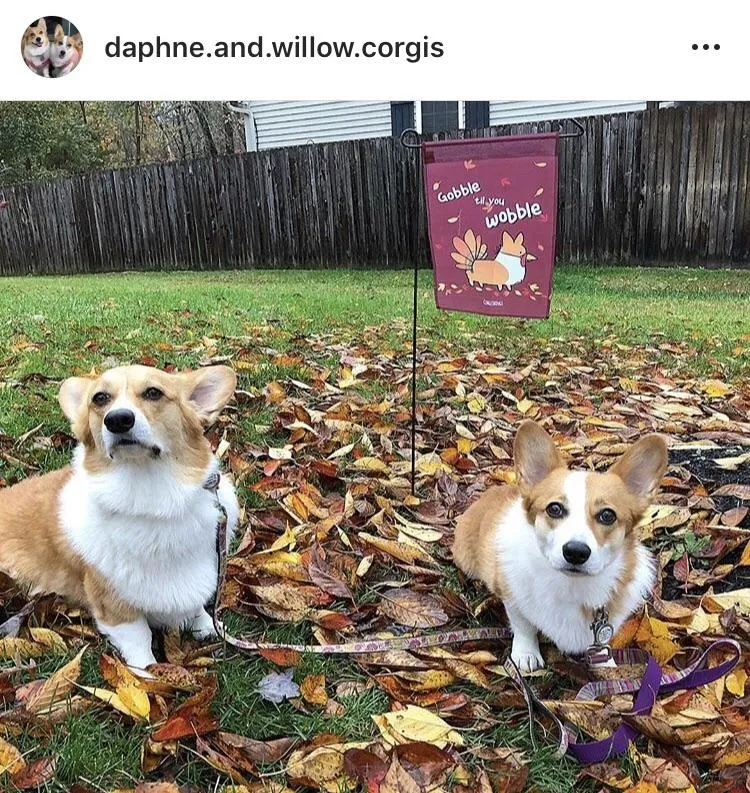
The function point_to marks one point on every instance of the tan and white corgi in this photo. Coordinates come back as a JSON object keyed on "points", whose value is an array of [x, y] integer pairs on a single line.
{"points": [[562, 545], [35, 48], [65, 52], [128, 529]]}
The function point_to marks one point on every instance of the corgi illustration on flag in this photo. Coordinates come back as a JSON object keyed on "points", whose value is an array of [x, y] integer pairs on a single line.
{"points": [[491, 207]]}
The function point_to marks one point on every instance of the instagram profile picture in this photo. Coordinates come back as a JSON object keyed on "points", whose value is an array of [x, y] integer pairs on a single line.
{"points": [[51, 46]]}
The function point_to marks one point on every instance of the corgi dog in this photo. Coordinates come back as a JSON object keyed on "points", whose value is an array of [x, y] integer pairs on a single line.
{"points": [[65, 52], [35, 48], [561, 545], [506, 270], [128, 529]]}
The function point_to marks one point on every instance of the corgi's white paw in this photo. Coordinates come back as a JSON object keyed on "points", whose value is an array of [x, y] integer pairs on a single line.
{"points": [[202, 626], [527, 661]]}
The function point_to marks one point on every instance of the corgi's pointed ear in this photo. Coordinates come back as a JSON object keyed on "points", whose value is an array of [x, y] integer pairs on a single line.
{"points": [[519, 239], [72, 396], [507, 238], [534, 454], [59, 32], [643, 465], [42, 23], [208, 390]]}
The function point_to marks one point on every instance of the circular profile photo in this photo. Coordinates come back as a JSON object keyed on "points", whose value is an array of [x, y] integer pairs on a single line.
{"points": [[52, 46]]}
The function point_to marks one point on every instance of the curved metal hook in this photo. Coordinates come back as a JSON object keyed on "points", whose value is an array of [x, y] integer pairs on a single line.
{"points": [[577, 133], [410, 144]]}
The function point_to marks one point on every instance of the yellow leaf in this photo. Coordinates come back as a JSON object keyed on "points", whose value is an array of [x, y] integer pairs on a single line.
{"points": [[714, 388], [735, 682], [370, 464], [56, 688], [464, 445], [287, 540], [313, 689], [280, 563], [135, 700], [48, 638], [111, 699], [11, 759], [653, 636], [413, 723], [740, 599], [12, 647], [476, 403], [431, 464], [323, 766], [405, 553]]}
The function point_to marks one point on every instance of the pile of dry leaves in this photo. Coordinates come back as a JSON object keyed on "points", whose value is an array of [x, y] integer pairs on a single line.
{"points": [[341, 547]]}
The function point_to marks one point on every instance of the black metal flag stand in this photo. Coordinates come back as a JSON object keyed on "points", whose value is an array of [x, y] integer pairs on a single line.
{"points": [[410, 139]]}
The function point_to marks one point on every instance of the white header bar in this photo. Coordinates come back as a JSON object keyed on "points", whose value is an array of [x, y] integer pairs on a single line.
{"points": [[526, 49]]}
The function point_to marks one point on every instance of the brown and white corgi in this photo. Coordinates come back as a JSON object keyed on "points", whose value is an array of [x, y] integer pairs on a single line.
{"points": [[562, 544], [65, 52], [128, 529], [35, 47]]}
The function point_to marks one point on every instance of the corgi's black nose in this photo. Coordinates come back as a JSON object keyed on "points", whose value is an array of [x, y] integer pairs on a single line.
{"points": [[38, 39], [576, 552], [119, 421]]}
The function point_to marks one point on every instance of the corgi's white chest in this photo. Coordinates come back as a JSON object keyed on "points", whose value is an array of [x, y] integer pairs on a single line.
{"points": [[558, 605], [514, 266], [162, 564]]}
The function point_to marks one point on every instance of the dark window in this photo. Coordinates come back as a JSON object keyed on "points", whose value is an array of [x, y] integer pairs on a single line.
{"points": [[477, 115], [439, 117], [402, 117]]}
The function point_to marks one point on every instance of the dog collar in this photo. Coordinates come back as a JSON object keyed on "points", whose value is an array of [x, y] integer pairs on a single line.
{"points": [[33, 65]]}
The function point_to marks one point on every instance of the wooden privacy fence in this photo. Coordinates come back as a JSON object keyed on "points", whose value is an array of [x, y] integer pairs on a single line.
{"points": [[657, 186]]}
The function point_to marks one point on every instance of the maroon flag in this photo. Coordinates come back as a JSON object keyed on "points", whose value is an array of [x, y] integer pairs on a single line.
{"points": [[491, 216]]}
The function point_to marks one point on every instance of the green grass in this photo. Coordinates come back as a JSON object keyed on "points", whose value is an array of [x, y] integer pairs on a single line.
{"points": [[53, 327]]}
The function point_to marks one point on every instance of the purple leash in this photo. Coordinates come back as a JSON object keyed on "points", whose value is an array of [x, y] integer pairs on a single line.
{"points": [[653, 682]]}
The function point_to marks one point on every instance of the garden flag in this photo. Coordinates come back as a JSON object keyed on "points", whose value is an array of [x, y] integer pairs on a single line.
{"points": [[491, 216]]}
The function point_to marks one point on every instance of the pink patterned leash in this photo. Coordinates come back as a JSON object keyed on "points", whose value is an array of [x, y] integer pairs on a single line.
{"points": [[646, 689]]}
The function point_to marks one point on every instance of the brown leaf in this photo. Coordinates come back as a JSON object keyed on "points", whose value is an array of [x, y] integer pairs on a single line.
{"points": [[367, 767], [322, 576], [260, 752], [425, 762], [281, 656], [35, 774], [398, 780], [313, 689], [414, 609]]}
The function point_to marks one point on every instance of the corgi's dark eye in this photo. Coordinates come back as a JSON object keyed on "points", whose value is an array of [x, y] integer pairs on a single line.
{"points": [[556, 510], [607, 517], [153, 394], [101, 398]]}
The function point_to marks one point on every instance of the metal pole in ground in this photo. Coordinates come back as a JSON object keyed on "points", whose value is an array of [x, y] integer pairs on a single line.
{"points": [[408, 136]]}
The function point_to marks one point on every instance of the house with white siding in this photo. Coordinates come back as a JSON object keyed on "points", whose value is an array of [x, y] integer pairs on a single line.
{"points": [[271, 124]]}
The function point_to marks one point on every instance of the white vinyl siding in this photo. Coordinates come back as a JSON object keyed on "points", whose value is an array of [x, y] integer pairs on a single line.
{"points": [[297, 123], [274, 124], [513, 112]]}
